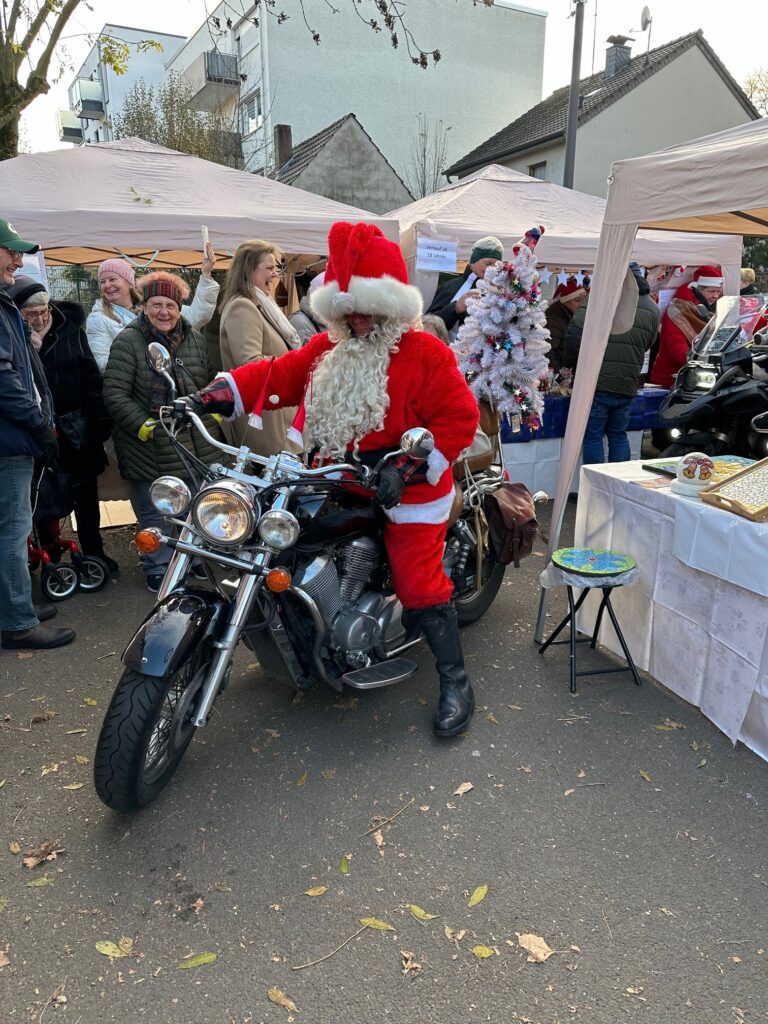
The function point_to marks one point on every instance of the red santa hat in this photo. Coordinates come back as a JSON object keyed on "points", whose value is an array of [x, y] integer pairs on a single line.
{"points": [[366, 274], [570, 290], [708, 277]]}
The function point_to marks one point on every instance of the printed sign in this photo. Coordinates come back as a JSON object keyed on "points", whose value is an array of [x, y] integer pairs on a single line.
{"points": [[436, 255]]}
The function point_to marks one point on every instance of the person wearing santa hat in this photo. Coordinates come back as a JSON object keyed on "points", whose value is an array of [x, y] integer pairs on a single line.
{"points": [[567, 298], [682, 321], [359, 386]]}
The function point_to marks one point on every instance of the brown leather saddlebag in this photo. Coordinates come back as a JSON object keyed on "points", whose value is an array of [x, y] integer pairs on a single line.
{"points": [[511, 522]]}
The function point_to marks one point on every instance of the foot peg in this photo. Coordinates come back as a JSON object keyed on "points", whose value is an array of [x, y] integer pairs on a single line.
{"points": [[384, 674]]}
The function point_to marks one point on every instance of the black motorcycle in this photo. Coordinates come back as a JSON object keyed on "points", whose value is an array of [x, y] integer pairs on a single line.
{"points": [[297, 571], [722, 387]]}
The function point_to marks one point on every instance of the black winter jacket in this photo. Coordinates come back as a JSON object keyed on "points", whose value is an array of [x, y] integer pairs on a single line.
{"points": [[20, 411], [625, 353], [442, 304], [76, 386]]}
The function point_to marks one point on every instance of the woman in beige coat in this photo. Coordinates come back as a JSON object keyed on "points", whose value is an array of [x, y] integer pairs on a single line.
{"points": [[254, 327]]}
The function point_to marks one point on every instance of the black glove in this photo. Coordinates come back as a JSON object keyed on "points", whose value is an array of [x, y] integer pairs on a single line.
{"points": [[216, 397], [390, 487], [45, 439]]}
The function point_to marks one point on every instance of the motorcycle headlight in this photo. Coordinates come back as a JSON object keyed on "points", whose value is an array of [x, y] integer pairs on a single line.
{"points": [[225, 513], [279, 529], [170, 496]]}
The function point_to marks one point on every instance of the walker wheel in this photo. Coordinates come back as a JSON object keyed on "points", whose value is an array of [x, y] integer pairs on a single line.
{"points": [[94, 573], [59, 582]]}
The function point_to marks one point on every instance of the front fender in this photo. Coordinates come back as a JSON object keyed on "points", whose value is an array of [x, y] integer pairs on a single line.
{"points": [[171, 630]]}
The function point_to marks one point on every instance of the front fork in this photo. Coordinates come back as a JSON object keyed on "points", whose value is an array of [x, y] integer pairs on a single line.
{"points": [[225, 647]]}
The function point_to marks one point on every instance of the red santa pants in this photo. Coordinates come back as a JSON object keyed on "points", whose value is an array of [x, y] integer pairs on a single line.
{"points": [[415, 552]]}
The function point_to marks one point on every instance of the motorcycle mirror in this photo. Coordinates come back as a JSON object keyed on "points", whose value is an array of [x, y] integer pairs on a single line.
{"points": [[159, 358], [760, 423], [417, 442]]}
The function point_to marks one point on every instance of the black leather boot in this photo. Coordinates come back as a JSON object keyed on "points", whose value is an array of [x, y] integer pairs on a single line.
{"points": [[440, 627]]}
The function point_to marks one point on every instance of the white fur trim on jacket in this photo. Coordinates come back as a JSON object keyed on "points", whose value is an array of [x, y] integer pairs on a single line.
{"points": [[436, 511], [436, 466], [239, 410], [373, 296]]}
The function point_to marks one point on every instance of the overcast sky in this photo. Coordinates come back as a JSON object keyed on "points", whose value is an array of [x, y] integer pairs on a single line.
{"points": [[740, 40]]}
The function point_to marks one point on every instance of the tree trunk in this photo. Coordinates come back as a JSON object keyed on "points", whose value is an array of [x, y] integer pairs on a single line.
{"points": [[9, 140]]}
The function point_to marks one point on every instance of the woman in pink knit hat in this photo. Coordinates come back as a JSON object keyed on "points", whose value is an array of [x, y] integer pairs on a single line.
{"points": [[120, 300]]}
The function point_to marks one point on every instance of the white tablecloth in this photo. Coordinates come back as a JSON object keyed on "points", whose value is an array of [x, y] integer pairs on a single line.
{"points": [[697, 619]]}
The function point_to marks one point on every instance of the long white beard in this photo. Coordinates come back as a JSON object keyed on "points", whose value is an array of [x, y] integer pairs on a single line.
{"points": [[347, 397]]}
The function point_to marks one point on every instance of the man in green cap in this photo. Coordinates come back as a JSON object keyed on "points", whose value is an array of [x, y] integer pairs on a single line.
{"points": [[450, 301], [26, 434]]}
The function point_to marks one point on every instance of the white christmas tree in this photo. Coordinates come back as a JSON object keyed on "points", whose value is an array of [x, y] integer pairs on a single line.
{"points": [[502, 345]]}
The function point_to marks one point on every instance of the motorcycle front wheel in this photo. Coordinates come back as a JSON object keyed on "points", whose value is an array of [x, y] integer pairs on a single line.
{"points": [[146, 732], [472, 604]]}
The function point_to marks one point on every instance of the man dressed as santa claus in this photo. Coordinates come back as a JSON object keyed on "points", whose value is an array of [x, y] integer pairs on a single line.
{"points": [[683, 321], [371, 376]]}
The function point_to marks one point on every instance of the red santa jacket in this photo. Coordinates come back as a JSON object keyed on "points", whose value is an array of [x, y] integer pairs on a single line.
{"points": [[426, 389], [679, 326]]}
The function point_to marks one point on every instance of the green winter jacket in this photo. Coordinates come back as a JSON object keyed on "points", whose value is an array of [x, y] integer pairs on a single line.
{"points": [[127, 391], [625, 353]]}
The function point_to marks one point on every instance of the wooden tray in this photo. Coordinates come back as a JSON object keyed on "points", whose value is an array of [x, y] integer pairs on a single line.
{"points": [[745, 493]]}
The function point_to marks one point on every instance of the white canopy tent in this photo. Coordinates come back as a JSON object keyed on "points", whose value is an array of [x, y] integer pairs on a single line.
{"points": [[146, 202], [502, 202], [715, 184]]}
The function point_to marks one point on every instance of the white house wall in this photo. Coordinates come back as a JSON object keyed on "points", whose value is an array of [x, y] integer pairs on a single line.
{"points": [[554, 155], [683, 101], [489, 74]]}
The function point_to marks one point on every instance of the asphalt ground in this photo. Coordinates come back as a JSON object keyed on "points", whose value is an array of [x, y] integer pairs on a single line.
{"points": [[618, 825]]}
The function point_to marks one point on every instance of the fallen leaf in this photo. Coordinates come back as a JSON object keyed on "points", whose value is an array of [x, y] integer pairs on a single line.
{"points": [[462, 789], [664, 728], [302, 779], [483, 952], [645, 775], [695, 746], [112, 949], [274, 995], [222, 887], [74, 785], [735, 959], [537, 948], [198, 905], [448, 932], [419, 914], [581, 774], [634, 990], [126, 944], [4, 961], [75, 732], [316, 890], [21, 655], [37, 882], [46, 851], [514, 707], [374, 922], [346, 703], [81, 759], [423, 808], [702, 762], [2, 783], [14, 848], [344, 865], [478, 895], [48, 768], [197, 961], [492, 718], [272, 733], [328, 773], [410, 965], [90, 701], [378, 838], [3, 903], [672, 724], [422, 701], [569, 792], [44, 716]]}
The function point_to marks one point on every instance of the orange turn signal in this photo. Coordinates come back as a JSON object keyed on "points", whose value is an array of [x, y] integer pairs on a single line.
{"points": [[147, 541], [278, 580]]}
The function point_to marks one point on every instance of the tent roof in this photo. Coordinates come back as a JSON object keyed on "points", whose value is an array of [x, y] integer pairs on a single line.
{"points": [[717, 183], [135, 198], [499, 201]]}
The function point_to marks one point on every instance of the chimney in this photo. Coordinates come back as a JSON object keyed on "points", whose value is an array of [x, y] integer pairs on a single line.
{"points": [[283, 144], [618, 54]]}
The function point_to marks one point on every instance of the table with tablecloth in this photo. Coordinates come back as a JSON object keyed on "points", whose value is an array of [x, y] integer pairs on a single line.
{"points": [[532, 457], [697, 619]]}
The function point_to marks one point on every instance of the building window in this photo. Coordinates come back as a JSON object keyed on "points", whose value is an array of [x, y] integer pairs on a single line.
{"points": [[251, 116], [538, 171]]}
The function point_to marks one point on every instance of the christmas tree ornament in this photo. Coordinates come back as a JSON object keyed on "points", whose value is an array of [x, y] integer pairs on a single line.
{"points": [[544, 275], [562, 277], [502, 345]]}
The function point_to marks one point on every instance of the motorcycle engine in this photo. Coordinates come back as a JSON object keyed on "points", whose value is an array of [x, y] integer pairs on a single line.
{"points": [[356, 618]]}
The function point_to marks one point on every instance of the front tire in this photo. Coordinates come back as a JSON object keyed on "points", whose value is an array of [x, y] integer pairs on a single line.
{"points": [[146, 732], [473, 604]]}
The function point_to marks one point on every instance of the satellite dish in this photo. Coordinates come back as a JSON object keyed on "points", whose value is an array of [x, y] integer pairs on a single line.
{"points": [[645, 18]]}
